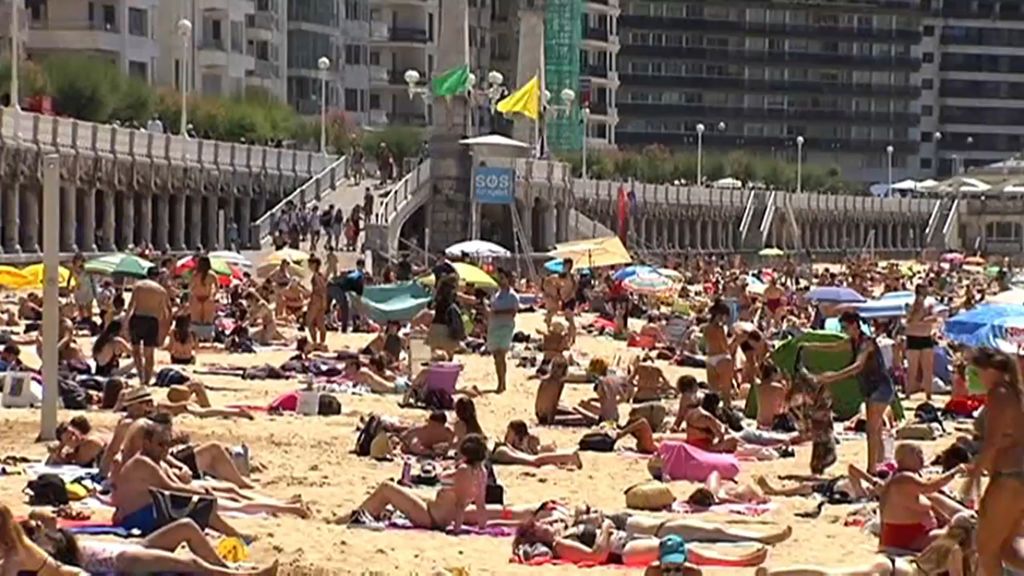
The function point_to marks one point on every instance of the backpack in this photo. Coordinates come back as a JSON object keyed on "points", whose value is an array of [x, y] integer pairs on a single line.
{"points": [[47, 490], [597, 442], [494, 491], [73, 396], [436, 399], [367, 433]]}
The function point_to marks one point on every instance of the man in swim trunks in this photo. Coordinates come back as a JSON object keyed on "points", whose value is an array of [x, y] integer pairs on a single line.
{"points": [[147, 312], [906, 513]]}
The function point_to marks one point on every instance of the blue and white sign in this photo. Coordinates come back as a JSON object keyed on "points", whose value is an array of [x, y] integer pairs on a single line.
{"points": [[494, 185]]}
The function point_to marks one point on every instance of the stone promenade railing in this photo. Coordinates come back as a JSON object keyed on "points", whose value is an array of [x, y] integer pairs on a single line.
{"points": [[53, 134]]}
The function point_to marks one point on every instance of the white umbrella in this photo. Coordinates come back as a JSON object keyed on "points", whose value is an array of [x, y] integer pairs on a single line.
{"points": [[233, 258], [478, 248]]}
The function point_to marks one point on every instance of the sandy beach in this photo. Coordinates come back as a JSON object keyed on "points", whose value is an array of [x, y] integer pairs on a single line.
{"points": [[312, 456]]}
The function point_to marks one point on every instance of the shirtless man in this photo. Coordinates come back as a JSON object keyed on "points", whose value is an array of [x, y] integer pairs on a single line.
{"points": [[771, 397], [906, 513], [720, 364], [316, 312], [147, 311], [201, 293], [548, 407], [560, 297], [431, 439], [648, 382]]}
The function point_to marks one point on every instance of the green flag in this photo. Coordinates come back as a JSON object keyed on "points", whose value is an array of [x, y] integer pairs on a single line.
{"points": [[452, 82]]}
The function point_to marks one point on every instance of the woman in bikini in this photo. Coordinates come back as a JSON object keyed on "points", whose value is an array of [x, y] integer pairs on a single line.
{"points": [[720, 363], [20, 555], [525, 449], [182, 344], [109, 348], [775, 300], [316, 313], [77, 444], [261, 312], [920, 344], [1002, 456], [201, 293], [459, 488]]}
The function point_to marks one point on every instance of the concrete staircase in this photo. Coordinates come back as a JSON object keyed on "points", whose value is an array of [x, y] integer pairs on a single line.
{"points": [[583, 227]]}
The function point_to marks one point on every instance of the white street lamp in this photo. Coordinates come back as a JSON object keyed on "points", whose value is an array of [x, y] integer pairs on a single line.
{"points": [[323, 64], [15, 54], [889, 150], [700, 154], [412, 79], [799, 164], [185, 31]]}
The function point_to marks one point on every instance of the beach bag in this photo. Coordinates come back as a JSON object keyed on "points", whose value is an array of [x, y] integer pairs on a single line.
{"points": [[47, 490], [167, 377], [438, 399], [456, 324], [653, 412], [173, 506], [73, 396], [597, 442], [494, 492], [649, 495], [329, 406], [364, 440]]}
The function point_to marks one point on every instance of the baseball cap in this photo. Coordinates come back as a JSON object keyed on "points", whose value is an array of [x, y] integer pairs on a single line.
{"points": [[672, 550]]}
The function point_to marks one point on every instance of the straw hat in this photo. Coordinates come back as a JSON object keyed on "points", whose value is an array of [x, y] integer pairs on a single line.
{"points": [[134, 396]]}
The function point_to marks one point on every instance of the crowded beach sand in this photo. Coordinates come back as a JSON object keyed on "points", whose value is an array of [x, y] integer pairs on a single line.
{"points": [[312, 456]]}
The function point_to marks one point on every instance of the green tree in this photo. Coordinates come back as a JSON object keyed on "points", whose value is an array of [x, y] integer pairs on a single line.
{"points": [[403, 141], [742, 166], [31, 76], [135, 101], [655, 164], [83, 87]]}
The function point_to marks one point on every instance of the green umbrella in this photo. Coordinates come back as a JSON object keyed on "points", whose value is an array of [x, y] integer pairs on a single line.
{"points": [[119, 265]]}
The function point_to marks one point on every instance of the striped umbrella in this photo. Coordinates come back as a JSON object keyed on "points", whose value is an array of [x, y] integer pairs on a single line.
{"points": [[120, 264], [648, 283]]}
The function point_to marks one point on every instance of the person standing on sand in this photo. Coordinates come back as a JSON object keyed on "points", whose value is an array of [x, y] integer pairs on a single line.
{"points": [[316, 313], [501, 326], [202, 292], [720, 350], [147, 312]]}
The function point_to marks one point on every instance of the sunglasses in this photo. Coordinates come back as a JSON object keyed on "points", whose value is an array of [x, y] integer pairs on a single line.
{"points": [[672, 570]]}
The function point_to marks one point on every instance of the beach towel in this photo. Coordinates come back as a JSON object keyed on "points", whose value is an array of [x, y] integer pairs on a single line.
{"points": [[752, 510], [398, 522], [392, 302], [692, 556], [682, 461], [67, 473]]}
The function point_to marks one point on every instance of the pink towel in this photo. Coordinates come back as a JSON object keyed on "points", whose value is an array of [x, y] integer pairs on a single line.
{"points": [[682, 461], [741, 509]]}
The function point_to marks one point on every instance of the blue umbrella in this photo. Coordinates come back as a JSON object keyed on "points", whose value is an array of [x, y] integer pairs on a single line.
{"points": [[557, 266], [837, 294], [999, 326], [894, 305], [630, 271]]}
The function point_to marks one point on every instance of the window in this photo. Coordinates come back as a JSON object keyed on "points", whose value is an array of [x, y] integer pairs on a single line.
{"points": [[374, 101], [927, 84], [138, 70], [926, 136], [36, 10], [927, 111], [928, 32], [351, 100], [926, 163], [355, 54], [928, 57], [1003, 230], [237, 36], [137, 22], [109, 18]]}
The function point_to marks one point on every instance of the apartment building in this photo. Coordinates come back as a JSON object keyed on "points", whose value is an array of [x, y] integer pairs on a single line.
{"points": [[599, 75], [972, 101], [402, 37], [121, 31], [265, 42], [214, 51], [845, 77]]}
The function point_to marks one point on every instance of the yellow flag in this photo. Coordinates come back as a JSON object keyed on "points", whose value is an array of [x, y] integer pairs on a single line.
{"points": [[525, 100]]}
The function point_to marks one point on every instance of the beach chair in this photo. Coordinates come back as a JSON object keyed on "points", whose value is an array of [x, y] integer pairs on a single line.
{"points": [[443, 377], [20, 390]]}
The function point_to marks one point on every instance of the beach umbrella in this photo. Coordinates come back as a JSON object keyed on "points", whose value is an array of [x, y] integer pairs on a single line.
{"points": [[1011, 296], [468, 274], [999, 326], [13, 279], [290, 254], [555, 265], [233, 258], [189, 263], [755, 285], [594, 253], [674, 275], [120, 264], [477, 249], [36, 273], [838, 294], [630, 271], [648, 283], [771, 252], [267, 268], [953, 257], [974, 261]]}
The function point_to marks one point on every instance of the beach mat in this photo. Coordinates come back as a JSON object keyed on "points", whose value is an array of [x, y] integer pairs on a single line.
{"points": [[693, 557], [392, 302], [400, 523], [846, 396]]}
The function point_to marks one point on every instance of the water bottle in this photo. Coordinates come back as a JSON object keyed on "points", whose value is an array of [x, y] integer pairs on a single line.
{"points": [[888, 446]]}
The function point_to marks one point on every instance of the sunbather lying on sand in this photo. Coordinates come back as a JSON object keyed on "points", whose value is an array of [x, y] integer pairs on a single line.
{"points": [[521, 447]]}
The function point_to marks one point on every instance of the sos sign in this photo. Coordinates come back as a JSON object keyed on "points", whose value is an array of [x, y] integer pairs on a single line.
{"points": [[494, 185]]}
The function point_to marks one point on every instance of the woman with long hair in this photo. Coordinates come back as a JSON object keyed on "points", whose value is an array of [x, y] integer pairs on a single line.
{"points": [[20, 555], [920, 344], [182, 344], [202, 292], [109, 347], [466, 420], [721, 351], [445, 334], [1002, 456]]}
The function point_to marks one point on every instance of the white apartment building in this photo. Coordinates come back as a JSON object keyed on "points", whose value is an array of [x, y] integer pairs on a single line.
{"points": [[121, 31], [402, 37], [214, 52], [599, 73], [265, 42]]}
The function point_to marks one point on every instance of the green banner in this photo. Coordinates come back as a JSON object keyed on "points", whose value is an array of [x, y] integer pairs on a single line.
{"points": [[563, 34]]}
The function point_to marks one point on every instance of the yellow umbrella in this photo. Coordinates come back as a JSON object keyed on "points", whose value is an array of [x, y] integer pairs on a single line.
{"points": [[468, 274], [13, 279], [593, 253], [36, 273], [267, 268], [290, 254]]}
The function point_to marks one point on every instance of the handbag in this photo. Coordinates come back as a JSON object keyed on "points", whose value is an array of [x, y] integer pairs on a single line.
{"points": [[173, 506]]}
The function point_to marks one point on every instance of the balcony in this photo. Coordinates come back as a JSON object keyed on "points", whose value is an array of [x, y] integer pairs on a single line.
{"points": [[904, 91], [903, 36], [598, 34], [594, 71], [211, 53], [599, 108], [75, 35], [409, 34], [820, 115], [626, 137], [266, 69], [775, 57], [379, 74], [263, 21], [307, 106]]}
